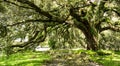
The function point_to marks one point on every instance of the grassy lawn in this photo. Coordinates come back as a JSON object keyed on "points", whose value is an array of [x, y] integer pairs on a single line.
{"points": [[110, 60], [103, 57], [24, 59], [106, 58]]}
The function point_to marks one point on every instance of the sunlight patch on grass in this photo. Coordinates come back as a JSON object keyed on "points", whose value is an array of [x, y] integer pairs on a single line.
{"points": [[2, 62], [24, 59], [116, 59]]}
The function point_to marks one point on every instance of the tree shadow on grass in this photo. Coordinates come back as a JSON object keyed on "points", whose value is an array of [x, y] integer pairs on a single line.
{"points": [[70, 60]]}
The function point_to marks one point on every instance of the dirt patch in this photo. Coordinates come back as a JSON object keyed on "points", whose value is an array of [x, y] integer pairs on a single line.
{"points": [[70, 59]]}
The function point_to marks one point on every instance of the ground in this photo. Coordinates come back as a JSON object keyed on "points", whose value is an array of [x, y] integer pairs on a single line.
{"points": [[62, 58]]}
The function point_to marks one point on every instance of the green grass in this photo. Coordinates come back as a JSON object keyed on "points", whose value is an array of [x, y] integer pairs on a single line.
{"points": [[106, 58], [112, 60], [24, 59]]}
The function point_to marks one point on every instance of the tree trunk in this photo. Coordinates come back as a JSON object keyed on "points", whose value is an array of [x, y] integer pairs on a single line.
{"points": [[92, 42], [89, 31], [91, 36]]}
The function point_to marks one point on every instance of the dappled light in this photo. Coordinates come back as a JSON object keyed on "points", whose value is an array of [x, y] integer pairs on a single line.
{"points": [[59, 33]]}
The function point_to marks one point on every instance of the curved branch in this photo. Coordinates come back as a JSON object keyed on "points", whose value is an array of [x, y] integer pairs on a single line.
{"points": [[117, 29], [39, 10], [38, 20], [36, 8], [32, 41], [32, 6]]}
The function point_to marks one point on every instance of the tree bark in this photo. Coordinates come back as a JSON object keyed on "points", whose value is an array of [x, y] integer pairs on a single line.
{"points": [[88, 30], [91, 38], [92, 41]]}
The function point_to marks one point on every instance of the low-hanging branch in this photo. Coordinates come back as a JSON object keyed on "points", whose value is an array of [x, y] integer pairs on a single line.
{"points": [[38, 20], [29, 21], [29, 42], [32, 41]]}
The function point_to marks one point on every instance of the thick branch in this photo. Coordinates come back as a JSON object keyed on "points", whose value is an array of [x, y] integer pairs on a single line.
{"points": [[82, 23], [36, 8], [27, 43], [37, 20], [117, 29], [98, 25], [39, 10], [22, 45]]}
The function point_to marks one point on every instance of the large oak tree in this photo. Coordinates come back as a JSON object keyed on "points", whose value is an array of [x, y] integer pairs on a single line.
{"points": [[91, 17]]}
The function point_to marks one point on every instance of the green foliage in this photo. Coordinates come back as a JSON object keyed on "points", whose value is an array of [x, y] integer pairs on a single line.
{"points": [[3, 31], [61, 36], [2, 8], [52, 44], [110, 40]]}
